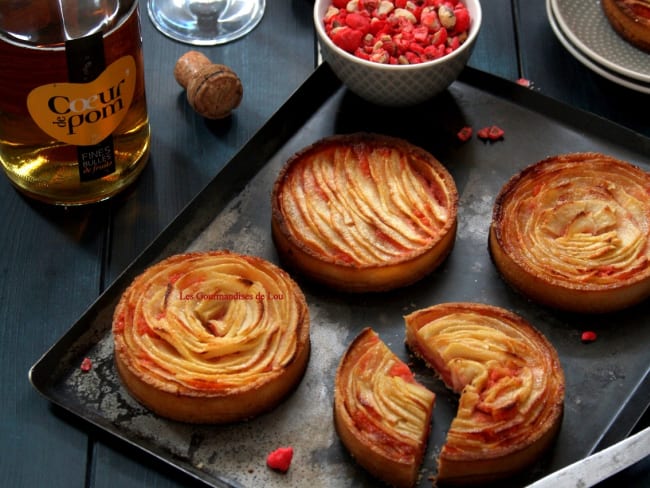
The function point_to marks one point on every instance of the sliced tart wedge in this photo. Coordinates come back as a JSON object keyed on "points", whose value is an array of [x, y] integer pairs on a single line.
{"points": [[381, 413]]}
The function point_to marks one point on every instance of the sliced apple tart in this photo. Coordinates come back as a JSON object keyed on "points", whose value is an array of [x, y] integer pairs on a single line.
{"points": [[364, 212], [381, 414], [572, 232], [510, 382], [211, 337], [630, 19]]}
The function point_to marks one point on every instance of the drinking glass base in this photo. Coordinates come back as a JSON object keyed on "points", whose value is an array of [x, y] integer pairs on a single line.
{"points": [[205, 23]]}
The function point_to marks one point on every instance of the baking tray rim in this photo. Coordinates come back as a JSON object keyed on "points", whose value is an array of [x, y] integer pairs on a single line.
{"points": [[301, 105]]}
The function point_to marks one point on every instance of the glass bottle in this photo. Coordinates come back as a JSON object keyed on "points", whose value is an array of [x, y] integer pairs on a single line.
{"points": [[74, 127]]}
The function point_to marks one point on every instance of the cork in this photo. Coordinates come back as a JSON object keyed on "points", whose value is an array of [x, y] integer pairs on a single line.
{"points": [[213, 90]]}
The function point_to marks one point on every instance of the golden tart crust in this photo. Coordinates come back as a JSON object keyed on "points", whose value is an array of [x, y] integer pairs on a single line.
{"points": [[364, 212], [381, 414], [630, 19], [572, 232], [195, 342], [511, 387]]}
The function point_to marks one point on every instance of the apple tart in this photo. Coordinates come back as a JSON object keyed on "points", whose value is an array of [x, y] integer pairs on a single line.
{"points": [[211, 337], [381, 413], [572, 231], [364, 212], [510, 382], [630, 19]]}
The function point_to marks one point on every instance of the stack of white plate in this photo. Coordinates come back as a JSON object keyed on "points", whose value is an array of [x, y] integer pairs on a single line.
{"points": [[583, 29]]}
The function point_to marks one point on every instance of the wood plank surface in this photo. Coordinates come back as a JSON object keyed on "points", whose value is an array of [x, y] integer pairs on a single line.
{"points": [[50, 272], [55, 262]]}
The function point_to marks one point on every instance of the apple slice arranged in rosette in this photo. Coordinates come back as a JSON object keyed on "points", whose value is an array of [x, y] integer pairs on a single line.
{"points": [[211, 337], [510, 382], [382, 415], [364, 212], [572, 232]]}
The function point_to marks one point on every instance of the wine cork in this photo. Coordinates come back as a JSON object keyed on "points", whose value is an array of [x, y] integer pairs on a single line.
{"points": [[213, 90]]}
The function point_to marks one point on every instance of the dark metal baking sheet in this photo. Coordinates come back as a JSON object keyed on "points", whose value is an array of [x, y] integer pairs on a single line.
{"points": [[607, 381]]}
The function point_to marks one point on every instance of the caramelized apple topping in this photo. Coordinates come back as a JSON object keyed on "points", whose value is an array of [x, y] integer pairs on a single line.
{"points": [[507, 374], [367, 202], [205, 321], [578, 219], [386, 405]]}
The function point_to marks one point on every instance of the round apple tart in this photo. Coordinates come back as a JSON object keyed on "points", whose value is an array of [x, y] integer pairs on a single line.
{"points": [[510, 382], [381, 414], [211, 337], [364, 212], [572, 231], [630, 19]]}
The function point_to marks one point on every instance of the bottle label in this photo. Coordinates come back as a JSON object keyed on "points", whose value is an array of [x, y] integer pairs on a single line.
{"points": [[88, 109]]}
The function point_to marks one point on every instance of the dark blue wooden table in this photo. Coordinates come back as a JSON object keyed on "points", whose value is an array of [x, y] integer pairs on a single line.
{"points": [[55, 262]]}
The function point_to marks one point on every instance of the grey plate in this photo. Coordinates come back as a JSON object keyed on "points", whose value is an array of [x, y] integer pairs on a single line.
{"points": [[608, 385], [586, 26], [602, 70]]}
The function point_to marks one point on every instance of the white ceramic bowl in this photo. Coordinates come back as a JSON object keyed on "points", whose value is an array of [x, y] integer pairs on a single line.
{"points": [[396, 85]]}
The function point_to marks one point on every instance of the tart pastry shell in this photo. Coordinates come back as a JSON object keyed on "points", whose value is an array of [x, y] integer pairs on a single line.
{"points": [[364, 212], [630, 19], [193, 342], [573, 232], [373, 390], [511, 386]]}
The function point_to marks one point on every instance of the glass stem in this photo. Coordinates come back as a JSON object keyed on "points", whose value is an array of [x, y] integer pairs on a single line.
{"points": [[207, 10]]}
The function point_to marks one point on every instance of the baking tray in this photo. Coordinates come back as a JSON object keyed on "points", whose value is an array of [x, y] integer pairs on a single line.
{"points": [[607, 384]]}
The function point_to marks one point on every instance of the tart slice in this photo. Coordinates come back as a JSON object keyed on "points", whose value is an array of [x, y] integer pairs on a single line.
{"points": [[573, 232], [364, 212], [630, 19], [510, 382], [381, 414], [198, 340]]}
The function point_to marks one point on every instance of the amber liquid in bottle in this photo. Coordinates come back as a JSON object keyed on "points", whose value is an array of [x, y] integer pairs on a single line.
{"points": [[45, 168]]}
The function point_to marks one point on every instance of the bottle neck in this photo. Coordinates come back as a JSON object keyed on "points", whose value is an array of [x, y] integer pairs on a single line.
{"points": [[52, 22]]}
